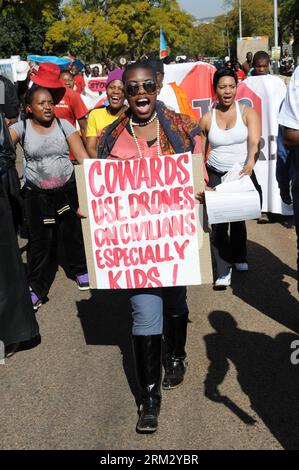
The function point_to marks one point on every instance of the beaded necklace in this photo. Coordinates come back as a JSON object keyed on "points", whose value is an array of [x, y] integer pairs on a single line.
{"points": [[136, 140], [141, 124]]}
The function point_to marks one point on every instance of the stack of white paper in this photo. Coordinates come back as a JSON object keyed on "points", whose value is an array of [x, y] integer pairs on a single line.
{"points": [[233, 200]]}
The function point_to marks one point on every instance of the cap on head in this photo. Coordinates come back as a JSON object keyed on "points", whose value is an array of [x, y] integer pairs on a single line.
{"points": [[22, 69], [116, 74]]}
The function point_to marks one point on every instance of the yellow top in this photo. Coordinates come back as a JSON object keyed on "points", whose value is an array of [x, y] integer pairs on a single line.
{"points": [[97, 120]]}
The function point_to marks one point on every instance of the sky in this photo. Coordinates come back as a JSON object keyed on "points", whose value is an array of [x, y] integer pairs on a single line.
{"points": [[202, 8]]}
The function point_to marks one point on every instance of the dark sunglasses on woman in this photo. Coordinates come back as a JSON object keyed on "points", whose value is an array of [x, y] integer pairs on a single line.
{"points": [[149, 87]]}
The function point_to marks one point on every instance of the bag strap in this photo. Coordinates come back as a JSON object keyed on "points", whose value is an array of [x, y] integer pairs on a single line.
{"points": [[61, 127], [23, 137], [24, 121]]}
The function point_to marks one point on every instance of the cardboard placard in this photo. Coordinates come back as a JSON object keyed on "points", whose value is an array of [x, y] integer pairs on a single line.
{"points": [[251, 44], [144, 227], [96, 84]]}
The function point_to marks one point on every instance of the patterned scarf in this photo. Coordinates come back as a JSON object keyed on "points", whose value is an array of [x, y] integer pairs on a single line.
{"points": [[177, 132]]}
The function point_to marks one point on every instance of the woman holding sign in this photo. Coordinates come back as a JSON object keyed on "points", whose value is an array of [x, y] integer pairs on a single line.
{"points": [[149, 129], [233, 133]]}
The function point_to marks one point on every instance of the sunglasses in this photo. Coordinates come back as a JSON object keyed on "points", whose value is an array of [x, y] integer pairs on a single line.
{"points": [[149, 87]]}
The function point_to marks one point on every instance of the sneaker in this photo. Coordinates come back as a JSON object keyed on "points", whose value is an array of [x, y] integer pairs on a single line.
{"points": [[241, 267], [83, 281], [36, 301], [225, 280]]}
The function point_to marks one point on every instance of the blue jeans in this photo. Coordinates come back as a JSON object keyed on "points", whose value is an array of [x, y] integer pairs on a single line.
{"points": [[149, 306]]}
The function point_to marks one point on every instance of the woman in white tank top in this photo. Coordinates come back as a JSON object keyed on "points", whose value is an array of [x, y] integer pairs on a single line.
{"points": [[233, 133]]}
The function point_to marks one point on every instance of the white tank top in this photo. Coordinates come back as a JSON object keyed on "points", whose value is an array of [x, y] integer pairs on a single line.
{"points": [[228, 146]]}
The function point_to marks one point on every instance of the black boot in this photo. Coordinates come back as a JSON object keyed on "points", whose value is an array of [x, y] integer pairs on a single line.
{"points": [[148, 355], [175, 333]]}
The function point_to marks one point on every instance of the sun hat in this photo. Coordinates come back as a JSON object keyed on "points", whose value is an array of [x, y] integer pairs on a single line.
{"points": [[116, 74], [22, 69], [48, 76]]}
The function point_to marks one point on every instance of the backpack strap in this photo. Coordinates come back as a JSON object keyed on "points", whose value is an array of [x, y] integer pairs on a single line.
{"points": [[24, 121], [61, 127]]}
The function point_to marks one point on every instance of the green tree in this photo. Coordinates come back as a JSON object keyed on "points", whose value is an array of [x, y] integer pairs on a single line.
{"points": [[98, 30], [85, 32], [23, 25], [257, 19], [210, 39], [289, 23]]}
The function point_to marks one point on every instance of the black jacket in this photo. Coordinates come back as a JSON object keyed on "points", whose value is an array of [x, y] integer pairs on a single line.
{"points": [[7, 150], [9, 101]]}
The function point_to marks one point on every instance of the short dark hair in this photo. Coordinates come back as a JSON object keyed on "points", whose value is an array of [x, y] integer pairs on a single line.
{"points": [[64, 72], [260, 55], [157, 65], [139, 64], [31, 92], [224, 72]]}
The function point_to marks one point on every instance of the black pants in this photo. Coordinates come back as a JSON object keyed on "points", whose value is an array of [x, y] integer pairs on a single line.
{"points": [[232, 247], [42, 239], [17, 319]]}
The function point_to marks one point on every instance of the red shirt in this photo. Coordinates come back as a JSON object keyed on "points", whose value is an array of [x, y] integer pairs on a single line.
{"points": [[79, 82], [241, 75], [71, 107]]}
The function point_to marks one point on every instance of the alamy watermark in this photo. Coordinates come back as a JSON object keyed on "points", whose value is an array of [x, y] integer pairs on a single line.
{"points": [[295, 354]]}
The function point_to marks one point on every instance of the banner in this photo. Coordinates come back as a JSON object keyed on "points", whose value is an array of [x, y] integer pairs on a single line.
{"points": [[196, 78], [96, 84], [95, 90], [265, 94], [144, 227], [7, 69]]}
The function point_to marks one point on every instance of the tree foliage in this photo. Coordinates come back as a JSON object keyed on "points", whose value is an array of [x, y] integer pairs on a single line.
{"points": [[257, 18], [211, 39], [100, 29], [97, 30], [289, 22], [23, 25]]}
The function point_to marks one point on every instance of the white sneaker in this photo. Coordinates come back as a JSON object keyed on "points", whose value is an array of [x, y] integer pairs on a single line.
{"points": [[224, 281], [241, 266]]}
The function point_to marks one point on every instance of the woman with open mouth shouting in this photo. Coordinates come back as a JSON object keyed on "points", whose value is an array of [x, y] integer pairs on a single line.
{"points": [[149, 129], [102, 117]]}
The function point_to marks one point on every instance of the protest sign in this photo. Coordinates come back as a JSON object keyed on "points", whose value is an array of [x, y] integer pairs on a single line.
{"points": [[144, 227], [7, 69], [265, 94], [251, 44], [196, 79], [96, 84]]}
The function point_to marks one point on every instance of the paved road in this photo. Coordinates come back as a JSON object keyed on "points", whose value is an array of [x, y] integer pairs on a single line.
{"points": [[73, 391]]}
